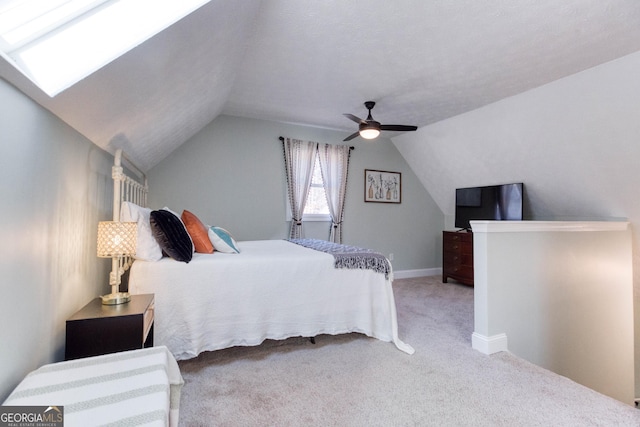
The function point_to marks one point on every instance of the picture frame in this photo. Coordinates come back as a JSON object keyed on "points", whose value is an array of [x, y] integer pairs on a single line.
{"points": [[382, 186]]}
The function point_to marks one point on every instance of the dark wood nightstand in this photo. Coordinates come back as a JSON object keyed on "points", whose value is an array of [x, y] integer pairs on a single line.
{"points": [[100, 329]]}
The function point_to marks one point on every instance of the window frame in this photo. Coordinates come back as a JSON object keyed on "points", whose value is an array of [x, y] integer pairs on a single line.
{"points": [[310, 217]]}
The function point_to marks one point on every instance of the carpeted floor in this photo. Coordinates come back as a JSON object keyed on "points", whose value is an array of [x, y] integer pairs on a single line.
{"points": [[353, 380]]}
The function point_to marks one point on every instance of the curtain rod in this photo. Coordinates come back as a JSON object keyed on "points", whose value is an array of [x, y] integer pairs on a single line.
{"points": [[281, 138]]}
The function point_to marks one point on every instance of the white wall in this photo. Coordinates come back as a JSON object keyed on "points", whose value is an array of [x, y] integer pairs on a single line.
{"points": [[56, 186], [231, 174], [560, 294], [575, 143]]}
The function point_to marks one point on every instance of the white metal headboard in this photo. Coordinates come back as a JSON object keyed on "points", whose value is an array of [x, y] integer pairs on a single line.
{"points": [[125, 189]]}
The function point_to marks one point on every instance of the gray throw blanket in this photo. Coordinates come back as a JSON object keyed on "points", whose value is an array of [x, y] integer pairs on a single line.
{"points": [[349, 256]]}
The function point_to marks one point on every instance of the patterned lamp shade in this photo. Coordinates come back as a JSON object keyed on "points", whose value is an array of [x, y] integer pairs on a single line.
{"points": [[116, 239]]}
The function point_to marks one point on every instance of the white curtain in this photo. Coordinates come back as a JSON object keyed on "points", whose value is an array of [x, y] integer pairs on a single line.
{"points": [[334, 165], [299, 158]]}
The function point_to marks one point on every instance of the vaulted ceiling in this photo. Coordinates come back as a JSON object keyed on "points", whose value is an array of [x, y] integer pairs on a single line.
{"points": [[307, 62]]}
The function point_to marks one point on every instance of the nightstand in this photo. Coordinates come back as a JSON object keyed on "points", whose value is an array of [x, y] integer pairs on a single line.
{"points": [[100, 329]]}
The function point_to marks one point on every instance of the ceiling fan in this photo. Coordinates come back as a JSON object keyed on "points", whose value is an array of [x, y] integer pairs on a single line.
{"points": [[370, 129]]}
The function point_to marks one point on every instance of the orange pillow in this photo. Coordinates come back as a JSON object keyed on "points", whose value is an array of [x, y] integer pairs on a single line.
{"points": [[198, 231]]}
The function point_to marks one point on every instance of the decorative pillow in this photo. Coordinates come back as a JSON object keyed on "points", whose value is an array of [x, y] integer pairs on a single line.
{"points": [[198, 232], [147, 248], [171, 235], [193, 247], [223, 241]]}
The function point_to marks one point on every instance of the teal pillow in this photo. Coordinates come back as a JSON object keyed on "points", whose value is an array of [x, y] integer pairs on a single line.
{"points": [[222, 241]]}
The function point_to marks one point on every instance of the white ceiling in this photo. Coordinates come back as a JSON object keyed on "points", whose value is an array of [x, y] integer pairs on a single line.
{"points": [[307, 62]]}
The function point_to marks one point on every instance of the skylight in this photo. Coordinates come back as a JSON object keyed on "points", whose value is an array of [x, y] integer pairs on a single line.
{"points": [[56, 43]]}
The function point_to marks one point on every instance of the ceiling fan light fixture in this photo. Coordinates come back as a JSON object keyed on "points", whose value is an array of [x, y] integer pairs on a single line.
{"points": [[369, 133], [369, 128]]}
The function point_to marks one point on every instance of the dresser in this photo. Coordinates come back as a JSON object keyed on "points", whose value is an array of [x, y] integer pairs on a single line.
{"points": [[101, 329], [457, 256]]}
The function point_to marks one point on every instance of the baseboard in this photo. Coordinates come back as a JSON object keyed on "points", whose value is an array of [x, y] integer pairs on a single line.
{"points": [[489, 345], [408, 274]]}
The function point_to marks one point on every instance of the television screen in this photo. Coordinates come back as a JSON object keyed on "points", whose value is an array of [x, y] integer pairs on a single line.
{"points": [[494, 202]]}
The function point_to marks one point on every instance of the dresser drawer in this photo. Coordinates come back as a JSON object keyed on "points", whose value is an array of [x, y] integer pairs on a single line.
{"points": [[457, 258], [456, 246], [453, 237], [463, 273]]}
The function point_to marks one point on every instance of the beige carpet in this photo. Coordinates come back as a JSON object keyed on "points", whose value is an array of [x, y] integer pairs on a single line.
{"points": [[353, 380]]}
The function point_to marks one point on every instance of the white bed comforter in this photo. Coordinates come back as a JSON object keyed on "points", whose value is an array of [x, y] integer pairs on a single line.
{"points": [[272, 289]]}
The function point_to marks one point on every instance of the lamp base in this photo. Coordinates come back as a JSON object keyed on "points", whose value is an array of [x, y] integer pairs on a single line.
{"points": [[116, 298]]}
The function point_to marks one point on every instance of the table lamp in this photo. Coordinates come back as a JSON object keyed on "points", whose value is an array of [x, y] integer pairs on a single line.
{"points": [[116, 240]]}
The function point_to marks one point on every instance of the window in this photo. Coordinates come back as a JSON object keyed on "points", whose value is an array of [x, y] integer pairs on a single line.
{"points": [[316, 208], [57, 43]]}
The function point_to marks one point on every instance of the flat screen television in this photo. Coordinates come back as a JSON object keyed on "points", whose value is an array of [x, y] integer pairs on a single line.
{"points": [[493, 202]]}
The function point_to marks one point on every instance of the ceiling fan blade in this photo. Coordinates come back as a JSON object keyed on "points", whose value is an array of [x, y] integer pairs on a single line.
{"points": [[350, 137], [401, 128], [354, 118]]}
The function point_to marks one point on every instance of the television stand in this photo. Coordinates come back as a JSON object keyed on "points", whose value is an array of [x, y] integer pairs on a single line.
{"points": [[457, 256]]}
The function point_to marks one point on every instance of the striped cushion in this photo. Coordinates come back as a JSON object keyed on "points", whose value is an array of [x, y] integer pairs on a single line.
{"points": [[128, 388]]}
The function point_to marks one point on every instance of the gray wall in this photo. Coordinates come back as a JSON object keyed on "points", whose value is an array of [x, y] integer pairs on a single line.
{"points": [[56, 186], [231, 174], [575, 143]]}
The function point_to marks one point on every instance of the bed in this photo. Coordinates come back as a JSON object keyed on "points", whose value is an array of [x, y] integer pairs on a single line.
{"points": [[265, 289], [139, 387], [272, 289]]}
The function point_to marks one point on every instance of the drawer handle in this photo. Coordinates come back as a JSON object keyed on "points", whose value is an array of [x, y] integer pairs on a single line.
{"points": [[455, 246]]}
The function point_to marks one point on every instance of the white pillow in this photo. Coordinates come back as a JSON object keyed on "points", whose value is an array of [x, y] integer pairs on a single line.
{"points": [[147, 248], [222, 241]]}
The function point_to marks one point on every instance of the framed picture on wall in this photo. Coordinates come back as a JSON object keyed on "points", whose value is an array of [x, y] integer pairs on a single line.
{"points": [[382, 186]]}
